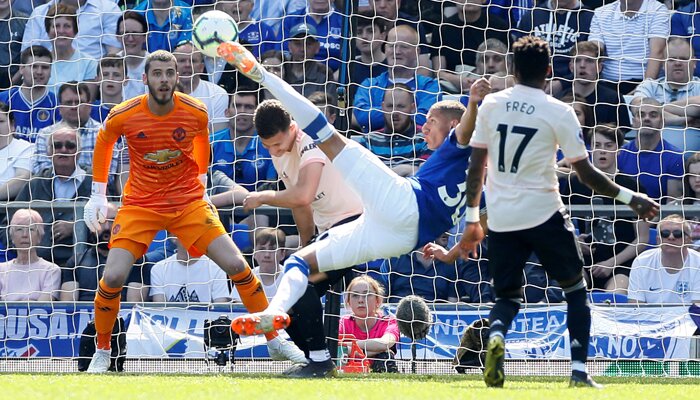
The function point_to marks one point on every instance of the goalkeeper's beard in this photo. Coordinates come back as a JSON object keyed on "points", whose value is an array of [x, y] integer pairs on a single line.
{"points": [[154, 93]]}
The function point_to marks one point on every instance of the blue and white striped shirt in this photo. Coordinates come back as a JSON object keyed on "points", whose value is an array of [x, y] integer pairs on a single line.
{"points": [[626, 39]]}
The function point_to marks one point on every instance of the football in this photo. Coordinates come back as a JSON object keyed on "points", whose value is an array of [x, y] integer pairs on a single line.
{"points": [[211, 29]]}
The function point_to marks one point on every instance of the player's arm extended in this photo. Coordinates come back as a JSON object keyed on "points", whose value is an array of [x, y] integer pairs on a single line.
{"points": [[465, 128], [299, 195]]}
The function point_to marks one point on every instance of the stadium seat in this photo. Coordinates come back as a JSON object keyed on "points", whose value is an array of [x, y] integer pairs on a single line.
{"points": [[653, 237], [158, 241], [607, 298]]}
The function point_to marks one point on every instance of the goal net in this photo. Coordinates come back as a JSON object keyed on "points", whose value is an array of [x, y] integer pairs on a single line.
{"points": [[375, 69]]}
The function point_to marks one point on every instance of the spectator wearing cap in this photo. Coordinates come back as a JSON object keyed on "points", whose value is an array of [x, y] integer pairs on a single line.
{"points": [[402, 59], [169, 23], [328, 24], [97, 26], [304, 73]]}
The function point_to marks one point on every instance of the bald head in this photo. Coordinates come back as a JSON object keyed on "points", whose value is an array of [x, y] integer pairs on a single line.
{"points": [[402, 47]]}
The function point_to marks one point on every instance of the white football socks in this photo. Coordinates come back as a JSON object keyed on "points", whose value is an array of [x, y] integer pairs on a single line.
{"points": [[291, 288]]}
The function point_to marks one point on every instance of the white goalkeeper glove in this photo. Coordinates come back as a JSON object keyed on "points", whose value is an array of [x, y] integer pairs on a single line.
{"points": [[95, 211]]}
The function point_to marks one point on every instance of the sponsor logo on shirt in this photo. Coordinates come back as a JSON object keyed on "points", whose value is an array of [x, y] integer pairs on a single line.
{"points": [[162, 156]]}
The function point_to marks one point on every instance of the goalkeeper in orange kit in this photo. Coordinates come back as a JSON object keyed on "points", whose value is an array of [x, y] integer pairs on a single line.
{"points": [[167, 134]]}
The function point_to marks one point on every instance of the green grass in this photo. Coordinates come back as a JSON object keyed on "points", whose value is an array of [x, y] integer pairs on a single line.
{"points": [[355, 387]]}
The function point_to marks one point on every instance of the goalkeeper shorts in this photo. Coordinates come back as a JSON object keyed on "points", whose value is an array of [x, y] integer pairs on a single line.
{"points": [[196, 226]]}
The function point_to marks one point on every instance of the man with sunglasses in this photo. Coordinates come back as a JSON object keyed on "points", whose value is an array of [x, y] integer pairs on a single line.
{"points": [[669, 273], [62, 180]]}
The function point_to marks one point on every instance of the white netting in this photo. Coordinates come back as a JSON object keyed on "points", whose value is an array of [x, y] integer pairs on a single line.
{"points": [[62, 67]]}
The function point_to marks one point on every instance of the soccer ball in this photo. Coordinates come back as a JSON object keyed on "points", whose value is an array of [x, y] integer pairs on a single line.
{"points": [[211, 29]]}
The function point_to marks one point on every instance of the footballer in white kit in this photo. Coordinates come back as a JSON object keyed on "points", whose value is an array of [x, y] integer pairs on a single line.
{"points": [[517, 134]]}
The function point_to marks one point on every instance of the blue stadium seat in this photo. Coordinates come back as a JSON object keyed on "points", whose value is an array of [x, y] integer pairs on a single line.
{"points": [[158, 241], [608, 298], [653, 237], [241, 236]]}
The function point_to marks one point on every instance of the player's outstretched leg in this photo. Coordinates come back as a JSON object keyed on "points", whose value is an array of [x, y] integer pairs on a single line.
{"points": [[501, 316], [579, 326], [291, 288], [309, 117]]}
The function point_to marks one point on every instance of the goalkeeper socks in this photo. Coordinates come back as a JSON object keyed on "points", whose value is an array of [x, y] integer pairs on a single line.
{"points": [[292, 285], [502, 315], [251, 290], [310, 119], [106, 309], [578, 323]]}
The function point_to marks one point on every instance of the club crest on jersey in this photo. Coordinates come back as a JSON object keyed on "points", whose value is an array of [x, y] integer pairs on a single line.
{"points": [[116, 228], [43, 115], [162, 156], [179, 134]]}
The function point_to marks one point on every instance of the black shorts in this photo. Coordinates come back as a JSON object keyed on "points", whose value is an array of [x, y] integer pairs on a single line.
{"points": [[553, 242]]}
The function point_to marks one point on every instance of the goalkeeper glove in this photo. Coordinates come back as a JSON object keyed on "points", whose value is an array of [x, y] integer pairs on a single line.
{"points": [[95, 211]]}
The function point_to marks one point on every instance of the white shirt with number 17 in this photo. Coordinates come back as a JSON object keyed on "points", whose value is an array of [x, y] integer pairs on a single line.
{"points": [[522, 128]]}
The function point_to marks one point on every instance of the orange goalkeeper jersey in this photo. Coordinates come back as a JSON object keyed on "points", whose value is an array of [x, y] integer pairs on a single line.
{"points": [[166, 152]]}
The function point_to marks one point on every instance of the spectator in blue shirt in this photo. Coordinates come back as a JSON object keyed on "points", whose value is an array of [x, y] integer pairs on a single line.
{"points": [[33, 105], [400, 144], [685, 22], [327, 22], [655, 163], [110, 73], [258, 36], [12, 24], [169, 23], [237, 150], [401, 56]]}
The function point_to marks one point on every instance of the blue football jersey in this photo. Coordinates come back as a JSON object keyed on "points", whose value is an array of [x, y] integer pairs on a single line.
{"points": [[30, 118], [440, 186]]}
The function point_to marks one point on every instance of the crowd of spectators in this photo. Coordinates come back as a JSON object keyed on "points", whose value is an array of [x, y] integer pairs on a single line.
{"points": [[628, 67]]}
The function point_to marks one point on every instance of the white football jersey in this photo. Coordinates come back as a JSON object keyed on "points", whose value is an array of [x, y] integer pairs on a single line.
{"points": [[522, 128], [650, 282], [334, 200]]}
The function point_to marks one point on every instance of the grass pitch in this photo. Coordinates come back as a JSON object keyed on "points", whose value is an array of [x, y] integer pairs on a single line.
{"points": [[355, 387]]}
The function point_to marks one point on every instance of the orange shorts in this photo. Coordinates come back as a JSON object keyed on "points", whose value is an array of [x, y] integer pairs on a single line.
{"points": [[196, 226]]}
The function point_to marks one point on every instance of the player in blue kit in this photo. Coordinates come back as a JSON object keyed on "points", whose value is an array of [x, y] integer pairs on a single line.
{"points": [[400, 214]]}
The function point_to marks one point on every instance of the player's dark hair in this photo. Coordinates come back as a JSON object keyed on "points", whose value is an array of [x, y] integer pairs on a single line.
{"points": [[35, 52], [271, 118], [159, 55], [5, 108], [136, 16], [61, 10], [531, 60]]}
